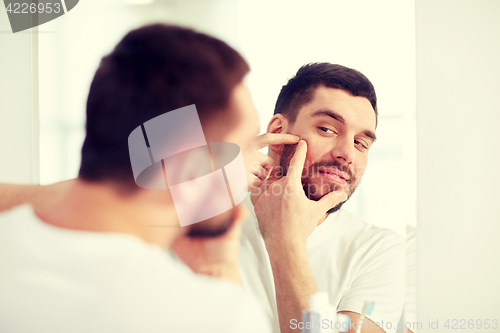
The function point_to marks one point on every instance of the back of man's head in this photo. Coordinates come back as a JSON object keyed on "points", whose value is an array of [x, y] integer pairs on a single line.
{"points": [[153, 70], [300, 88]]}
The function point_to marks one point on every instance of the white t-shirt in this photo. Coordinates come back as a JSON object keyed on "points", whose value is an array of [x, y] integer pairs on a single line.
{"points": [[55, 280], [410, 311], [350, 260]]}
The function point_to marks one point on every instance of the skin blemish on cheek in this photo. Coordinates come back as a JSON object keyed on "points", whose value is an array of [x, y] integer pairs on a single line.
{"points": [[305, 138], [301, 137]]}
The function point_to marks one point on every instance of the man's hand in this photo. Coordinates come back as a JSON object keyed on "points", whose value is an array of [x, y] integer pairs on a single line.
{"points": [[286, 216], [263, 164], [286, 219], [215, 256]]}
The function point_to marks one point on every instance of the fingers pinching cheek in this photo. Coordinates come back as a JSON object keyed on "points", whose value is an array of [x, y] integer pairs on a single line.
{"points": [[297, 162], [254, 167], [259, 172], [256, 183]]}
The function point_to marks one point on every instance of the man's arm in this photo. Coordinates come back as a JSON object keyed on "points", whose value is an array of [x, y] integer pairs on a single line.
{"points": [[12, 195], [286, 219], [293, 281], [41, 197]]}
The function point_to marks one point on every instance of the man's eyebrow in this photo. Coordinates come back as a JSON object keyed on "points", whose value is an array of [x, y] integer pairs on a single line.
{"points": [[329, 113], [341, 120], [370, 135]]}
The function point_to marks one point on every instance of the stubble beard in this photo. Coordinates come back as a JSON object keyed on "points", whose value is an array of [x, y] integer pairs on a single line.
{"points": [[315, 186]]}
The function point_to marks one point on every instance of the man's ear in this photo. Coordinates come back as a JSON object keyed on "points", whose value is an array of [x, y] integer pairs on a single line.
{"points": [[277, 124]]}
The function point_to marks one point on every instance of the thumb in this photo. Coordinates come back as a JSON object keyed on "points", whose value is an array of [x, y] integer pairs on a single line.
{"points": [[332, 199]]}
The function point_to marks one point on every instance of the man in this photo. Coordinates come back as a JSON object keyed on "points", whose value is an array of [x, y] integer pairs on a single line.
{"points": [[91, 258], [293, 247]]}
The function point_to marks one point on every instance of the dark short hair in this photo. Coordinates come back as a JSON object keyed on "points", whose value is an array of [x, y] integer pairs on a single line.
{"points": [[153, 70], [300, 88]]}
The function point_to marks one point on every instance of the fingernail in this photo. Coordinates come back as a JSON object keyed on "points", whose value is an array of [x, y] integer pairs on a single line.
{"points": [[302, 142]]}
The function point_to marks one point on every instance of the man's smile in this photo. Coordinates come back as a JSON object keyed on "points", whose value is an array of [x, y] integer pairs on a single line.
{"points": [[333, 176]]}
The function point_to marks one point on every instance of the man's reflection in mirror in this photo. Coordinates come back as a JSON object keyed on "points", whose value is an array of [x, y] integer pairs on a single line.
{"points": [[298, 240]]}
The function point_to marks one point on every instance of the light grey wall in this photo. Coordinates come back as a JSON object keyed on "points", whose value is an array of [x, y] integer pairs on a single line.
{"points": [[18, 106], [458, 140]]}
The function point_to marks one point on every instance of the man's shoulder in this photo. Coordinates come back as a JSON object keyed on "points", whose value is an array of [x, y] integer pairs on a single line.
{"points": [[346, 232]]}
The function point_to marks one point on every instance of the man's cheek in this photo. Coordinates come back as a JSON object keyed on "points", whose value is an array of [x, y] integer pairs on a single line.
{"points": [[315, 152], [307, 171]]}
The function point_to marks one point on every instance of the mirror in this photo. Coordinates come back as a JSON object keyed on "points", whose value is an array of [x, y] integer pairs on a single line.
{"points": [[376, 38]]}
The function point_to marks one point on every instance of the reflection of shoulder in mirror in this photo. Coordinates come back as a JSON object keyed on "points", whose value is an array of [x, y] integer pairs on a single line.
{"points": [[355, 260], [355, 232]]}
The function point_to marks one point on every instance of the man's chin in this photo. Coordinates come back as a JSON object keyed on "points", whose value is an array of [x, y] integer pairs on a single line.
{"points": [[212, 227], [315, 192], [336, 208]]}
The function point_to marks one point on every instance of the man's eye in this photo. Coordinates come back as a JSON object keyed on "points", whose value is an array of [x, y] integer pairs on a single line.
{"points": [[360, 144], [326, 130]]}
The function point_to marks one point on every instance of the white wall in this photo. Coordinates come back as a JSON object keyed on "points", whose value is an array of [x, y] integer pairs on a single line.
{"points": [[458, 139], [18, 105]]}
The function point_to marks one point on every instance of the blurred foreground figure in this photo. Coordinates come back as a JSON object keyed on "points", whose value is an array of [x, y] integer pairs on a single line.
{"points": [[91, 258]]}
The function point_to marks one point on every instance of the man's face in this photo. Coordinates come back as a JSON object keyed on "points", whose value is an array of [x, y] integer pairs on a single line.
{"points": [[339, 129], [243, 134]]}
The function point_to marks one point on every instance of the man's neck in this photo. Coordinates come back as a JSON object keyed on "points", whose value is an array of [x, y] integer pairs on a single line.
{"points": [[99, 207]]}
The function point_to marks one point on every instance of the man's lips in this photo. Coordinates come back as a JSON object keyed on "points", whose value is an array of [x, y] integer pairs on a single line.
{"points": [[334, 175]]}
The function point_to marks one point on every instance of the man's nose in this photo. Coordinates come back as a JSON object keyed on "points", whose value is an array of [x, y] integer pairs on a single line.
{"points": [[344, 150]]}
